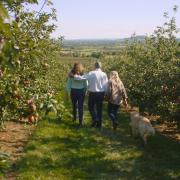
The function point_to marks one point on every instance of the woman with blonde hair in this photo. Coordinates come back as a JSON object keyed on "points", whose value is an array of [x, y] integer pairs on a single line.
{"points": [[77, 91], [116, 95]]}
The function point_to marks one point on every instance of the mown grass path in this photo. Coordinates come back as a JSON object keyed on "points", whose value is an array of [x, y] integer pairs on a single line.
{"points": [[60, 150]]}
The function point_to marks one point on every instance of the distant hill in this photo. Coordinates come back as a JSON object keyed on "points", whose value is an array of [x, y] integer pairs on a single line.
{"points": [[100, 42]]}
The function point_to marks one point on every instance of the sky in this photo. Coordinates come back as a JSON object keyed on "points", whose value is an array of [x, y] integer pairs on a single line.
{"points": [[92, 19]]}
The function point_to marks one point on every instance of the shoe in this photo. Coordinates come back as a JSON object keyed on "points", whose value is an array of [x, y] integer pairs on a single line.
{"points": [[94, 124], [115, 125], [99, 124], [80, 123], [74, 118]]}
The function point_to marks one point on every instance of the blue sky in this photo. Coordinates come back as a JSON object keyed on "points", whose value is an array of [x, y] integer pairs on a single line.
{"points": [[81, 19]]}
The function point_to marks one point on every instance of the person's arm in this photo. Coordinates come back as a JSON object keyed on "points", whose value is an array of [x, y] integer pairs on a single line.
{"points": [[76, 77], [85, 85], [124, 92], [105, 82], [125, 97], [108, 90], [82, 78], [68, 85]]}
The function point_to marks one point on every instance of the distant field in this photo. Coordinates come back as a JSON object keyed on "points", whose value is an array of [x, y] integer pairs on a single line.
{"points": [[74, 59], [88, 47]]}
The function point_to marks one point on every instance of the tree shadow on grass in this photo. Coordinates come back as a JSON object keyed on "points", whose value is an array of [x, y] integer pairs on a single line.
{"points": [[83, 158], [160, 159], [90, 153]]}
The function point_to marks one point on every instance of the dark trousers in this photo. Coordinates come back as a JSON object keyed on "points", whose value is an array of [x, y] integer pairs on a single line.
{"points": [[95, 104], [77, 97], [112, 111]]}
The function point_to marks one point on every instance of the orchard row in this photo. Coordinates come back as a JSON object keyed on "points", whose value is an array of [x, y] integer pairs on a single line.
{"points": [[150, 70], [27, 64]]}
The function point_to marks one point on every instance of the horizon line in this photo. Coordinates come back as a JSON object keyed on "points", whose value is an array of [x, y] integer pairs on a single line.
{"points": [[113, 38]]}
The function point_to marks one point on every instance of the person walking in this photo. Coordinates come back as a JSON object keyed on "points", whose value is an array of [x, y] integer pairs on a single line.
{"points": [[97, 84], [116, 95], [77, 91]]}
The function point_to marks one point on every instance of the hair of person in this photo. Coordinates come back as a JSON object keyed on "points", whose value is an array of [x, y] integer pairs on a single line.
{"points": [[78, 69], [97, 64], [114, 77]]}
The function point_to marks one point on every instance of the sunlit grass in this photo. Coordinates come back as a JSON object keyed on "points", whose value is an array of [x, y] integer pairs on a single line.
{"points": [[61, 150]]}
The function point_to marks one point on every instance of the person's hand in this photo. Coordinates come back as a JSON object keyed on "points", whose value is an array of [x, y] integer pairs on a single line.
{"points": [[125, 103]]}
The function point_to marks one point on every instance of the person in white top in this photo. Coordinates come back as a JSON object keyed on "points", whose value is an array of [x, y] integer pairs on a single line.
{"points": [[97, 85]]}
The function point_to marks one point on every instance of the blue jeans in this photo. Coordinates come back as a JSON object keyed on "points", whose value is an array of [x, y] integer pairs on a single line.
{"points": [[112, 111], [77, 98], [95, 104]]}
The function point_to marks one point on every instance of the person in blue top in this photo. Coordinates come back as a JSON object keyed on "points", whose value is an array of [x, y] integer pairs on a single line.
{"points": [[77, 90]]}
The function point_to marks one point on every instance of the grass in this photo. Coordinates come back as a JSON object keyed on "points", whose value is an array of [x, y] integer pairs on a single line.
{"points": [[60, 150]]}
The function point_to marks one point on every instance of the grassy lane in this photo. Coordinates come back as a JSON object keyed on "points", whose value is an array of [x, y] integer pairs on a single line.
{"points": [[60, 150]]}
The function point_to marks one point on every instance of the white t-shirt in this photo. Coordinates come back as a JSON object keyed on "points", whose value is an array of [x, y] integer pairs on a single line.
{"points": [[97, 80]]}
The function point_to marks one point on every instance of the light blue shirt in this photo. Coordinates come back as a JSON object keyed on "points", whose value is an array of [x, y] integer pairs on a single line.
{"points": [[74, 84]]}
